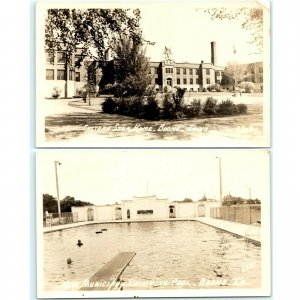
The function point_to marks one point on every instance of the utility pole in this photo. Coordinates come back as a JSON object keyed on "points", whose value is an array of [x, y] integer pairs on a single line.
{"points": [[57, 190], [220, 178]]}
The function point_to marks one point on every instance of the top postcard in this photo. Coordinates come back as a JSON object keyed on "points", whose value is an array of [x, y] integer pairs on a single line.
{"points": [[153, 74]]}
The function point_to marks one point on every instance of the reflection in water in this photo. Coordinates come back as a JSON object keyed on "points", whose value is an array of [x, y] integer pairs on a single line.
{"points": [[181, 254]]}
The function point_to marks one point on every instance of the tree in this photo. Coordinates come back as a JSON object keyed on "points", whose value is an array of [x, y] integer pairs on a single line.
{"points": [[131, 68], [89, 31], [50, 204], [251, 19], [187, 200]]}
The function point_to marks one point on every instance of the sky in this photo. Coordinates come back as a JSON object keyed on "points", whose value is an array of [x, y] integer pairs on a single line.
{"points": [[189, 31], [109, 176]]}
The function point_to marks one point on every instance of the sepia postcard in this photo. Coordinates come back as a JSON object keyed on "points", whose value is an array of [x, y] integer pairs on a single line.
{"points": [[153, 223], [141, 74]]}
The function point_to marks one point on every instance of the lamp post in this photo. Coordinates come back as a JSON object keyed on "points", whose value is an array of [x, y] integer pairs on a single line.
{"points": [[220, 177], [57, 190], [249, 188]]}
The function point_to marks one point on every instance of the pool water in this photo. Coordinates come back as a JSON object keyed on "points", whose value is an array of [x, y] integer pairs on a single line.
{"points": [[169, 255]]}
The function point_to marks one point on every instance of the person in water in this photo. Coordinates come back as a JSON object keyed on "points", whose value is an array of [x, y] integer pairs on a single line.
{"points": [[79, 243]]}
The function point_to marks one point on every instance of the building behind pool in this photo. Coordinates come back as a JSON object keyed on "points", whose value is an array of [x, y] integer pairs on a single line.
{"points": [[145, 208]]}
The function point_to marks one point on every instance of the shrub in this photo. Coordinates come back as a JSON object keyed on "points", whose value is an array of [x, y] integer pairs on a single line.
{"points": [[242, 108], [169, 108], [210, 106], [109, 105], [193, 110], [151, 109], [56, 92], [247, 86], [204, 90], [227, 107]]}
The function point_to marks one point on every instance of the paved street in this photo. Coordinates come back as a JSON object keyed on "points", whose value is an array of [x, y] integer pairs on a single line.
{"points": [[74, 122]]}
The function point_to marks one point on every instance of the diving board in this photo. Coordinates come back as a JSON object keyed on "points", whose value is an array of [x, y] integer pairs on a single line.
{"points": [[107, 276]]}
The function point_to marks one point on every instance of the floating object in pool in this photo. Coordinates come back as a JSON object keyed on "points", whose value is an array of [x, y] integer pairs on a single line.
{"points": [[218, 273], [69, 261], [79, 243], [104, 229], [98, 232]]}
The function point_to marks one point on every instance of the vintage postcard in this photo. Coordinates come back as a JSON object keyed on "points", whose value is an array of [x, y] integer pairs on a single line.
{"points": [[147, 74], [153, 223]]}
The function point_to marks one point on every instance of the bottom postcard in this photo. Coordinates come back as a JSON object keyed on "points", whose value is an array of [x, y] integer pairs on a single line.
{"points": [[153, 223]]}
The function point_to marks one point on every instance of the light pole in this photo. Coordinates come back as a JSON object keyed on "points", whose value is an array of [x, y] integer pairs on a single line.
{"points": [[249, 188], [57, 189], [220, 178]]}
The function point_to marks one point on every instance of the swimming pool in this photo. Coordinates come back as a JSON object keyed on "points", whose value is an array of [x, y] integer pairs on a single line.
{"points": [[169, 255]]}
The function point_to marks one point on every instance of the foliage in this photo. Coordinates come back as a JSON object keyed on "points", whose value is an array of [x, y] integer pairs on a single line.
{"points": [[193, 110], [210, 106], [187, 200], [151, 109], [229, 200], [50, 204], [132, 68], [89, 30], [56, 92], [242, 108], [227, 79], [247, 86], [227, 108], [214, 87], [251, 19], [109, 105]]}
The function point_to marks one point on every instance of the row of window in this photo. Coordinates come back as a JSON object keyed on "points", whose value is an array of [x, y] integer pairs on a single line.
{"points": [[60, 75], [191, 81], [190, 71], [60, 58]]}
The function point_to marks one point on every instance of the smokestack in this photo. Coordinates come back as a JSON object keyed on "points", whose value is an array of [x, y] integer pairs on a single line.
{"points": [[213, 53]]}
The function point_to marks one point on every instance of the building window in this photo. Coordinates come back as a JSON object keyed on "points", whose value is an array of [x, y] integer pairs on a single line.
{"points": [[49, 58], [197, 80], [207, 71], [222, 73], [184, 81], [260, 70], [252, 70], [191, 71], [71, 75], [197, 71], [218, 82], [177, 71], [49, 74], [261, 79], [207, 80], [178, 80], [77, 76], [156, 80], [217, 73], [60, 74], [191, 80], [169, 70], [60, 57], [145, 212], [184, 71]]}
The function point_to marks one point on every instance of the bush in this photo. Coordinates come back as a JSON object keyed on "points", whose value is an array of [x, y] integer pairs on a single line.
{"points": [[151, 109], [193, 110], [204, 90], [56, 92], [109, 105], [210, 106], [242, 108], [247, 86], [227, 107]]}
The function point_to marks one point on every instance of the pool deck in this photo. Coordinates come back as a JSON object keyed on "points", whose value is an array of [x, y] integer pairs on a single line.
{"points": [[250, 232]]}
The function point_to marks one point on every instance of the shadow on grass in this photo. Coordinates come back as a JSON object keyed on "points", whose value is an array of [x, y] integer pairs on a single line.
{"points": [[73, 125]]}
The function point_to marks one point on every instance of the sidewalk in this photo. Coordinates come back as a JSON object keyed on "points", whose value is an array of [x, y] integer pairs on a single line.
{"points": [[250, 232]]}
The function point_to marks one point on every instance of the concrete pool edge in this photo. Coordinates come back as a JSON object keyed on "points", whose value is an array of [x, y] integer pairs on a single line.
{"points": [[242, 230]]}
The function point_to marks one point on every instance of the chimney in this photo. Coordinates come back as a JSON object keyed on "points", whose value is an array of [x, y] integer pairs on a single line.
{"points": [[213, 53]]}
